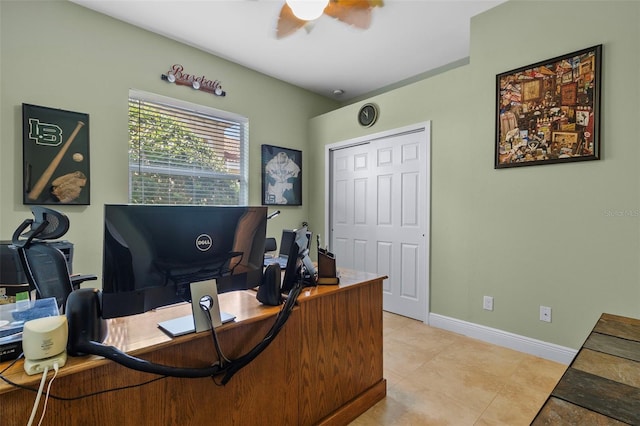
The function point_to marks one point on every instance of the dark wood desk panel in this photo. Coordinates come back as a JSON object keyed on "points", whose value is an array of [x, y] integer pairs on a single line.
{"points": [[270, 390], [602, 384]]}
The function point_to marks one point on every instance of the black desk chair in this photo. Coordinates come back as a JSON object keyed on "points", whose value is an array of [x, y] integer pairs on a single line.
{"points": [[45, 266], [270, 244]]}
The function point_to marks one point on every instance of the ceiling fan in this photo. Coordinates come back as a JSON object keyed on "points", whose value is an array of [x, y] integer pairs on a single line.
{"points": [[296, 14]]}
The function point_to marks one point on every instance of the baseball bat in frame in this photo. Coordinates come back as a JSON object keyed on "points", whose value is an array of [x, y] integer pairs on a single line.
{"points": [[51, 168]]}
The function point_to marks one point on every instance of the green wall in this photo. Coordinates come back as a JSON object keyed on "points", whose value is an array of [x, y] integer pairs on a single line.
{"points": [[563, 235], [60, 55]]}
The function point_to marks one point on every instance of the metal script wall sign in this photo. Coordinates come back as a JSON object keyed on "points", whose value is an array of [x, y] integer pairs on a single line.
{"points": [[178, 76]]}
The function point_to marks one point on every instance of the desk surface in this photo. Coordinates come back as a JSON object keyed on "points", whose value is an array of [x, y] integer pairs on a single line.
{"points": [[602, 384], [328, 372], [139, 334]]}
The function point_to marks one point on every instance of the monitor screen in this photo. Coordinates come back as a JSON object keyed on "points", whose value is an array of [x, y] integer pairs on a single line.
{"points": [[289, 236], [153, 252]]}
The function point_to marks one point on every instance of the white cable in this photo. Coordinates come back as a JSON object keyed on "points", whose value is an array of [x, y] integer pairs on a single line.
{"points": [[46, 399], [37, 402]]}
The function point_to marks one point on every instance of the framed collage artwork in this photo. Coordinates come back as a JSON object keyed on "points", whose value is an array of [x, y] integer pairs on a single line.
{"points": [[549, 112]]}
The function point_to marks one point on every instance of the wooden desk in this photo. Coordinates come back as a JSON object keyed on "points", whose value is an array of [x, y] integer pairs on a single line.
{"points": [[325, 367], [602, 384]]}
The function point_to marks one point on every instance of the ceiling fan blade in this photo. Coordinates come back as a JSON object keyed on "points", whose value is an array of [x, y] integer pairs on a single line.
{"points": [[352, 12], [288, 23]]}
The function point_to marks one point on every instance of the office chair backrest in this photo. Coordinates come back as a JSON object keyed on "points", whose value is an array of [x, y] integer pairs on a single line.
{"points": [[46, 224], [270, 244], [44, 265], [46, 269]]}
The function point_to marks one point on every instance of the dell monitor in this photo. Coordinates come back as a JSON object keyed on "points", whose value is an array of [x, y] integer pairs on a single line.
{"points": [[153, 252]]}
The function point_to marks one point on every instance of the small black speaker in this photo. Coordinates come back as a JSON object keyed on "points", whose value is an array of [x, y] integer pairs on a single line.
{"points": [[269, 290], [84, 317]]}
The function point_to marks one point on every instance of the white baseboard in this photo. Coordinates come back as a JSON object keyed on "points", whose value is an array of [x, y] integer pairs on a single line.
{"points": [[494, 336]]}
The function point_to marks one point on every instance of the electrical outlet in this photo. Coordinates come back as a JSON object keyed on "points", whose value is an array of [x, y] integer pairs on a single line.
{"points": [[545, 313], [487, 303]]}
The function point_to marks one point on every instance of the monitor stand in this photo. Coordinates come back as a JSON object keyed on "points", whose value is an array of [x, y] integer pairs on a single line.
{"points": [[198, 320]]}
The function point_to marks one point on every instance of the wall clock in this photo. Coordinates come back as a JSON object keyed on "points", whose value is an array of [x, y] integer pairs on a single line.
{"points": [[368, 115]]}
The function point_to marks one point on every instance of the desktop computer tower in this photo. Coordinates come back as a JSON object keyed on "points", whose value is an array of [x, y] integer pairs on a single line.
{"points": [[11, 271]]}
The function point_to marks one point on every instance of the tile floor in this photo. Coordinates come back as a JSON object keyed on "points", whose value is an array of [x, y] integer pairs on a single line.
{"points": [[435, 377]]}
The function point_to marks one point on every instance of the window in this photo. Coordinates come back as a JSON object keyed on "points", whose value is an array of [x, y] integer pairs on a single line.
{"points": [[181, 153]]}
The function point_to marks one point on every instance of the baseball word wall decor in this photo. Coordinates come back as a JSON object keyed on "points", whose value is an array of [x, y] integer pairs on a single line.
{"points": [[179, 76]]}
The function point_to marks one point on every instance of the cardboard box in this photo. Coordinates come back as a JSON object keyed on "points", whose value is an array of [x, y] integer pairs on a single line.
{"points": [[8, 292]]}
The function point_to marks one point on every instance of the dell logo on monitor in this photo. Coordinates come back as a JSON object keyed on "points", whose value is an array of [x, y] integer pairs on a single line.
{"points": [[204, 242]]}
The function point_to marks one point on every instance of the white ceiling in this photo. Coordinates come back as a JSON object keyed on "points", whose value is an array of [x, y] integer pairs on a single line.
{"points": [[406, 39]]}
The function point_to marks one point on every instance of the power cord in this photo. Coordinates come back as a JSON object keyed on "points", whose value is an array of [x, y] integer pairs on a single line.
{"points": [[37, 401], [281, 319], [46, 399], [78, 397], [11, 364], [72, 398], [206, 302]]}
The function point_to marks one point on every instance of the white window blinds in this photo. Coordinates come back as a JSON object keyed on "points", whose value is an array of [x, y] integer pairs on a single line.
{"points": [[186, 154]]}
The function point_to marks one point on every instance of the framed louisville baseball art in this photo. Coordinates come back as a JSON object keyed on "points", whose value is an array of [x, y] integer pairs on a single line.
{"points": [[281, 176], [55, 151], [549, 112]]}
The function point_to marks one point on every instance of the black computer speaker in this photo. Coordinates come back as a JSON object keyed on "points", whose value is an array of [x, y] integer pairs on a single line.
{"points": [[269, 290], [84, 316]]}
